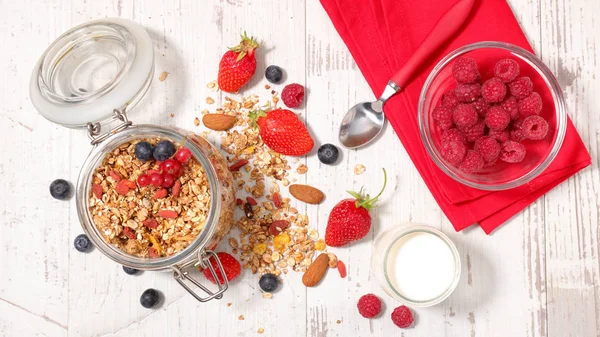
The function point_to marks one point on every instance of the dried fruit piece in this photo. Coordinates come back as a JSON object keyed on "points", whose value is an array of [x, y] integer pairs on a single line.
{"points": [[453, 152], [465, 70], [468, 93], [341, 268], [238, 165], [277, 200], [442, 116], [160, 193], [259, 248], [281, 241], [506, 70], [472, 163], [512, 152], [316, 271], [115, 175], [493, 90], [97, 190], [497, 119], [464, 116], [153, 252], [535, 127], [130, 233], [150, 223], [521, 87], [122, 188], [277, 226], [166, 213], [251, 201], [218, 122], [176, 189], [307, 194], [248, 210]]}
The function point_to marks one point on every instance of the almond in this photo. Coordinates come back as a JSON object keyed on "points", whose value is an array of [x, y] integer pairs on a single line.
{"points": [[316, 271], [218, 122], [308, 194]]}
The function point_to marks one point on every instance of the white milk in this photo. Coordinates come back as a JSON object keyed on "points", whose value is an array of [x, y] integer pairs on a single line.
{"points": [[420, 266]]}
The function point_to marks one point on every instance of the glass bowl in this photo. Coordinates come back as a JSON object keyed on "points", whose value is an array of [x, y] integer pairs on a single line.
{"points": [[540, 154]]}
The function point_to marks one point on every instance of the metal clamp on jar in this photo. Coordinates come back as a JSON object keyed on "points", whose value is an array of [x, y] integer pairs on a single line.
{"points": [[93, 75]]}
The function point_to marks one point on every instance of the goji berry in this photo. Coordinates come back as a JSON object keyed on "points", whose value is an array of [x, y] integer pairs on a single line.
{"points": [[152, 252], [122, 188], [166, 213], [130, 233], [239, 202], [251, 201], [341, 268], [97, 190], [277, 200], [150, 223], [115, 175], [129, 183], [237, 165], [161, 193], [176, 189]]}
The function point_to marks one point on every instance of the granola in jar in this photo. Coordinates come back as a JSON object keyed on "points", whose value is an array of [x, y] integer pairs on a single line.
{"points": [[146, 218]]}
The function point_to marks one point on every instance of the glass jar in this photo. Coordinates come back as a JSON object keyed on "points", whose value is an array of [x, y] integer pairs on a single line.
{"points": [[92, 75]]}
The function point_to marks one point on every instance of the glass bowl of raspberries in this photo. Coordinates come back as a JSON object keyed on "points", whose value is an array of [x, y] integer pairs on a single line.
{"points": [[492, 116]]}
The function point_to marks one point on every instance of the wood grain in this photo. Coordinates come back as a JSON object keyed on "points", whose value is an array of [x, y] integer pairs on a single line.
{"points": [[537, 276]]}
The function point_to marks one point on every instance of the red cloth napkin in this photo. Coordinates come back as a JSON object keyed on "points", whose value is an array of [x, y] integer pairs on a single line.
{"points": [[382, 34]]}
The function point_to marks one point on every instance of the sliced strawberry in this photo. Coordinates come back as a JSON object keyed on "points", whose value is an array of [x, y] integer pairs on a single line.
{"points": [[176, 189], [97, 190], [115, 175], [238, 165], [167, 213], [150, 223], [160, 193], [130, 233]]}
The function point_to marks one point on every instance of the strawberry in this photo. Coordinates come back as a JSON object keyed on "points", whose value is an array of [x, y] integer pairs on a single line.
{"points": [[237, 65], [231, 266], [350, 220], [283, 132]]}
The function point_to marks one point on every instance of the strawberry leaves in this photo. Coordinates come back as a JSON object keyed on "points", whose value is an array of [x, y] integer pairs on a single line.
{"points": [[365, 201]]}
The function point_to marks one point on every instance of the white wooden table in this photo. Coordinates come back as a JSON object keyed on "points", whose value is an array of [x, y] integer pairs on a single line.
{"points": [[538, 275]]}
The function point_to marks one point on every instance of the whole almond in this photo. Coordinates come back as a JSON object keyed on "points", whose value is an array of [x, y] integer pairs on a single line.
{"points": [[316, 271], [218, 122], [308, 194]]}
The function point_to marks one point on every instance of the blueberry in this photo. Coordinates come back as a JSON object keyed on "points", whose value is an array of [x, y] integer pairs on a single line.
{"points": [[60, 189], [82, 243], [164, 150], [143, 151], [130, 271], [328, 154], [268, 282], [273, 74], [149, 298]]}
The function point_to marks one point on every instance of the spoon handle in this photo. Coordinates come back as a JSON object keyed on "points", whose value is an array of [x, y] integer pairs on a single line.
{"points": [[446, 26]]}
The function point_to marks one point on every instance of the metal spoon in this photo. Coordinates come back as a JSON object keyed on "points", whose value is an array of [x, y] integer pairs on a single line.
{"points": [[363, 122]]}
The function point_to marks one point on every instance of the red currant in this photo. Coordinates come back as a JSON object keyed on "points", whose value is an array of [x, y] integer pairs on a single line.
{"points": [[168, 180], [156, 179], [172, 166], [143, 180], [183, 155]]}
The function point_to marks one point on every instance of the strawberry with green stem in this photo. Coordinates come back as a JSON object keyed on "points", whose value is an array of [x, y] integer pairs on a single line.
{"points": [[350, 220], [283, 132], [237, 65]]}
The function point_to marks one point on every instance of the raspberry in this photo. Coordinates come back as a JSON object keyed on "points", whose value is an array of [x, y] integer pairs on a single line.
{"points": [[473, 133], [472, 163], [468, 93], [464, 116], [481, 106], [506, 70], [512, 152], [497, 119], [292, 95], [511, 106], [453, 134], [517, 135], [453, 151], [465, 70], [493, 90], [449, 99], [369, 306], [443, 117], [535, 127], [402, 317], [489, 149], [521, 87], [231, 266], [500, 136], [530, 105]]}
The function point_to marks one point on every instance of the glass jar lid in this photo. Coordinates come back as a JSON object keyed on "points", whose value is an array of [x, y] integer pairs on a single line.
{"points": [[91, 71]]}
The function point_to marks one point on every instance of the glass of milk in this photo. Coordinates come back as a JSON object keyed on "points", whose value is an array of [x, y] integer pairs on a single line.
{"points": [[417, 265]]}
